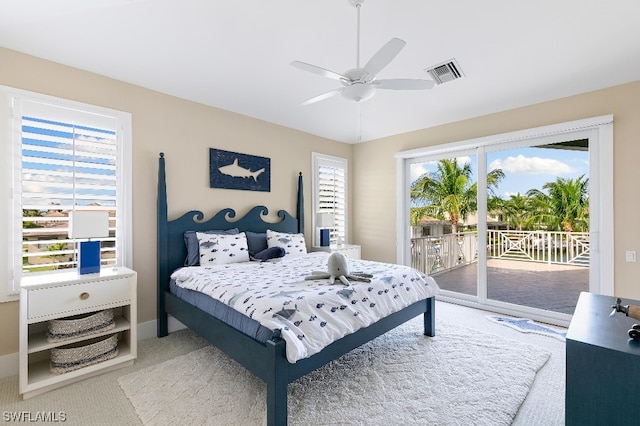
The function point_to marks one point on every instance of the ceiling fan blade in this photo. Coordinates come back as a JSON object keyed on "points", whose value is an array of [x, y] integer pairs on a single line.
{"points": [[320, 71], [322, 96], [383, 56], [404, 84]]}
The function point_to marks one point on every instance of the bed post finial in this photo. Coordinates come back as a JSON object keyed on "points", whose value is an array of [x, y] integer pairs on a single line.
{"points": [[300, 205], [163, 246]]}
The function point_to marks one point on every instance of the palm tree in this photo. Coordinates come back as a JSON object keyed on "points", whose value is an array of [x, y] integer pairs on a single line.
{"points": [[450, 194], [416, 214], [565, 206], [515, 211]]}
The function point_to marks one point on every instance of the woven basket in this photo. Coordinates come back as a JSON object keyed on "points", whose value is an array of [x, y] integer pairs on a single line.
{"points": [[79, 326], [64, 360]]}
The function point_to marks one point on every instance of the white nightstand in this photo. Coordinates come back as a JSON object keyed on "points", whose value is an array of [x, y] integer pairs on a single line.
{"points": [[351, 251], [63, 295]]}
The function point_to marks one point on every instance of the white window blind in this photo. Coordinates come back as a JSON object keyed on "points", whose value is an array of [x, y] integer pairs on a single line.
{"points": [[330, 193], [64, 159]]}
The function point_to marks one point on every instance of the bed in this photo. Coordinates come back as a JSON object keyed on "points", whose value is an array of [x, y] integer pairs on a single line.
{"points": [[261, 350]]}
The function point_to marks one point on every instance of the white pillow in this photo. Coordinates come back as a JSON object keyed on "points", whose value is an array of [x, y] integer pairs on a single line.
{"points": [[293, 244], [216, 249]]}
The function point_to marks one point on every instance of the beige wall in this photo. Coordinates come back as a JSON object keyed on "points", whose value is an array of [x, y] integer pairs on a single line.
{"points": [[184, 131], [374, 170]]}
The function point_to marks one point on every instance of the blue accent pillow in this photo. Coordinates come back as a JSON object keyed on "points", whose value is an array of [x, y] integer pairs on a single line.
{"points": [[269, 253], [257, 242], [193, 247]]}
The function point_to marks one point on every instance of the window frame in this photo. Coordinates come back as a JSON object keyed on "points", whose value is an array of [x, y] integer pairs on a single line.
{"points": [[599, 132], [11, 100], [318, 160]]}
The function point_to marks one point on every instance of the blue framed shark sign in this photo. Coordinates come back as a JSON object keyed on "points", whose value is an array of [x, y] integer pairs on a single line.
{"points": [[232, 170]]}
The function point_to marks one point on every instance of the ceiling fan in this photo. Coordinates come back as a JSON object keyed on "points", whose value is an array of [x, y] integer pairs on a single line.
{"points": [[360, 84]]}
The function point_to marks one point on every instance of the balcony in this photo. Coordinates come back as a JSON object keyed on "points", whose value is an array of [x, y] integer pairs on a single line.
{"points": [[540, 269]]}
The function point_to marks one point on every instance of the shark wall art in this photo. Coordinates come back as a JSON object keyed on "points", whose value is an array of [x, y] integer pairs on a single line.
{"points": [[232, 170]]}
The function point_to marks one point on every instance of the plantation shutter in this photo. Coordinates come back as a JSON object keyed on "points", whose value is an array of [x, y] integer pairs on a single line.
{"points": [[331, 193], [66, 159]]}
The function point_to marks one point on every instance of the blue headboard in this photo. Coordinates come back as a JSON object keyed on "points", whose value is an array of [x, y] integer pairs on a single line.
{"points": [[171, 248]]}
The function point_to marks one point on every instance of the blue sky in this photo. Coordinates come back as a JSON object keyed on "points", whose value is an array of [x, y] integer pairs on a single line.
{"points": [[524, 168], [60, 159]]}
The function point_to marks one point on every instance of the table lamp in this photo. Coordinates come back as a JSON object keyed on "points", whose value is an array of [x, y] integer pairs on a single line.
{"points": [[324, 222], [88, 224]]}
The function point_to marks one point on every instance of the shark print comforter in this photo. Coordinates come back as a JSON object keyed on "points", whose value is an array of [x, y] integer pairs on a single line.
{"points": [[311, 314]]}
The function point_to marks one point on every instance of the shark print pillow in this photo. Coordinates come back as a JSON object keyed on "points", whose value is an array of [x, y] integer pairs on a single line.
{"points": [[218, 249], [293, 244]]}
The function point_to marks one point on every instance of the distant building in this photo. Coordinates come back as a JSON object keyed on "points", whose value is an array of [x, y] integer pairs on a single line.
{"points": [[431, 227]]}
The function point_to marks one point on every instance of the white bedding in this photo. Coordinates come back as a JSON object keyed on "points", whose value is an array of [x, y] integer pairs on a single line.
{"points": [[310, 314]]}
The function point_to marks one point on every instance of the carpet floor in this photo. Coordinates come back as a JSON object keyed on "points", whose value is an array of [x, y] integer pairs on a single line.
{"points": [[458, 377], [101, 401]]}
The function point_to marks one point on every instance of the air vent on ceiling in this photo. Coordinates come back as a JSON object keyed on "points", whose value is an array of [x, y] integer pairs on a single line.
{"points": [[447, 71]]}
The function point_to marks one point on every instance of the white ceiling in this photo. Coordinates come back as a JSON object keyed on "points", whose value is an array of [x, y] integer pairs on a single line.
{"points": [[236, 55]]}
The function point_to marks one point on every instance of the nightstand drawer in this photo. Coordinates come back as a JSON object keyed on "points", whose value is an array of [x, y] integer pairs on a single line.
{"points": [[73, 299]]}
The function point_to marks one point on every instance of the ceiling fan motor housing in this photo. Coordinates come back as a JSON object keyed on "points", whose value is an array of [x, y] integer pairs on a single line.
{"points": [[356, 75]]}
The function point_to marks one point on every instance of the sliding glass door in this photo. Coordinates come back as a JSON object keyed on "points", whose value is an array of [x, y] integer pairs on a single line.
{"points": [[443, 220], [514, 224], [537, 221]]}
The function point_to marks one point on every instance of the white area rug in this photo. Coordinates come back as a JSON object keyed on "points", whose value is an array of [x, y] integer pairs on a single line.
{"points": [[459, 377]]}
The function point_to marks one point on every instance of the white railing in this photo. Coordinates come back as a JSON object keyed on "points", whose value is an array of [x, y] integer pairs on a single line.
{"points": [[437, 254], [567, 248]]}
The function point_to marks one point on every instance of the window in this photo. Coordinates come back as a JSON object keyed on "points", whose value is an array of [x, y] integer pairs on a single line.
{"points": [[329, 188], [65, 156]]}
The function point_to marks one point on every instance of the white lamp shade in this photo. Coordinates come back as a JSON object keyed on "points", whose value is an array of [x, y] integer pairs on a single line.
{"points": [[359, 92], [88, 224], [324, 220]]}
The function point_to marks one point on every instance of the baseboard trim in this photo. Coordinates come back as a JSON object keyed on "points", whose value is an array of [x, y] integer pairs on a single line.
{"points": [[147, 330], [9, 364]]}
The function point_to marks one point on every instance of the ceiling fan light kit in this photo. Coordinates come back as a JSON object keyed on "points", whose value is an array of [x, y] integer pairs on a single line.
{"points": [[359, 92], [360, 84]]}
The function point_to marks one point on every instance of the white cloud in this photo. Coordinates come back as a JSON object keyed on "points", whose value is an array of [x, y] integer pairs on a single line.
{"points": [[416, 170], [531, 165], [464, 160]]}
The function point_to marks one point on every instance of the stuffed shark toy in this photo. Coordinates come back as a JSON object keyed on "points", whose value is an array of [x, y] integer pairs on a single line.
{"points": [[338, 268]]}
